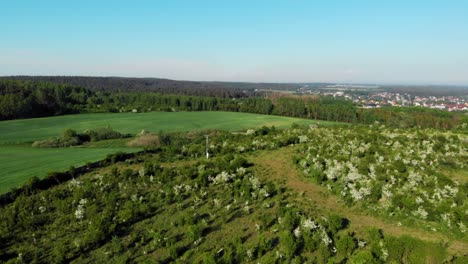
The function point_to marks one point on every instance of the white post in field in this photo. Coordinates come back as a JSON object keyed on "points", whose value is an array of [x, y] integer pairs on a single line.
{"points": [[207, 154]]}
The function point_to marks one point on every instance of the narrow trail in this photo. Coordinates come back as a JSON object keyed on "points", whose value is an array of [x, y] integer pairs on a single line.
{"points": [[277, 164]]}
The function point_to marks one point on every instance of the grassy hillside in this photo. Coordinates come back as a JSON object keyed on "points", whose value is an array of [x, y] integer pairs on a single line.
{"points": [[18, 162]]}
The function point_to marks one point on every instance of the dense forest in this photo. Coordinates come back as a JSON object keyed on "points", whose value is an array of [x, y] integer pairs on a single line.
{"points": [[25, 99], [164, 86], [36, 99]]}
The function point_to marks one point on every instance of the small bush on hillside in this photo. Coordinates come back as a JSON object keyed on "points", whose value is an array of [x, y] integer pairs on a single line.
{"points": [[48, 143], [104, 134], [363, 257], [287, 244], [56, 142]]}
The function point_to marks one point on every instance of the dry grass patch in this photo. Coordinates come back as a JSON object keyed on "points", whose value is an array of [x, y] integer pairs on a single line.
{"points": [[145, 140]]}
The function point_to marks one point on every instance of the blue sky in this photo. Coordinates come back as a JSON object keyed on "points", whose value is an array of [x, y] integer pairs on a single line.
{"points": [[408, 42]]}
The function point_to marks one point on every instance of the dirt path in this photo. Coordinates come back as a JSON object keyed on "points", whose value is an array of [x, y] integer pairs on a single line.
{"points": [[278, 165]]}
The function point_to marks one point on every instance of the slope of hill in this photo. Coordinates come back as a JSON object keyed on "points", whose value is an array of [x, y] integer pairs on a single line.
{"points": [[246, 203]]}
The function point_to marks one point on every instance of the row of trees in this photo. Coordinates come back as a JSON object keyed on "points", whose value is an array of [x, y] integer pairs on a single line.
{"points": [[164, 86], [23, 99]]}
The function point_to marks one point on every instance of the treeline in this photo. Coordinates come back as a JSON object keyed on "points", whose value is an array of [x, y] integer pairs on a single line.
{"points": [[24, 99], [412, 117], [163, 86]]}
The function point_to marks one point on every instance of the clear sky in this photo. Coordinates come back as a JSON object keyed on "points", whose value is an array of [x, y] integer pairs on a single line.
{"points": [[408, 42]]}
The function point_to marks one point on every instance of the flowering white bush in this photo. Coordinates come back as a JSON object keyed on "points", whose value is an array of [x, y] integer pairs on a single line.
{"points": [[250, 132], [42, 209], [223, 177], [325, 238], [309, 224], [80, 211], [75, 183], [297, 232]]}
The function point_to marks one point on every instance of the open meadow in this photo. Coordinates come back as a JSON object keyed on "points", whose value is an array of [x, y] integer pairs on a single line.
{"points": [[18, 161]]}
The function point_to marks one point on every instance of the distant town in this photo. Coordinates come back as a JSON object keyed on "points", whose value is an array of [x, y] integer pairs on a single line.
{"points": [[373, 97]]}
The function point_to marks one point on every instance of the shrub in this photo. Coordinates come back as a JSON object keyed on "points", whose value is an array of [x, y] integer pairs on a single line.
{"points": [[363, 257], [194, 232], [175, 251], [290, 219], [103, 134], [345, 246], [336, 223], [59, 252], [127, 173], [324, 254], [288, 244], [396, 248], [264, 245], [56, 143], [238, 162]]}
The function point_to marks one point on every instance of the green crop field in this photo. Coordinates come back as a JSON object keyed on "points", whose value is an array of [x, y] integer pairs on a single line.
{"points": [[28, 130], [18, 161]]}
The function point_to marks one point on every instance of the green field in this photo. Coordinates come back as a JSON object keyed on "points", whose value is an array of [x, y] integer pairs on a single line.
{"points": [[28, 130], [18, 161]]}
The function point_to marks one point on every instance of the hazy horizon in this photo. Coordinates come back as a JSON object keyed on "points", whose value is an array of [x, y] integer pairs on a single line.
{"points": [[366, 42]]}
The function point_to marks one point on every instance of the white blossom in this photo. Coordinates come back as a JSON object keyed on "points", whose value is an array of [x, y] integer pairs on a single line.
{"points": [[462, 227], [309, 224], [419, 200], [325, 238], [250, 132], [257, 227], [297, 232], [264, 193], [255, 182], [249, 253], [42, 209], [361, 243], [384, 251], [240, 171], [80, 210], [421, 213]]}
